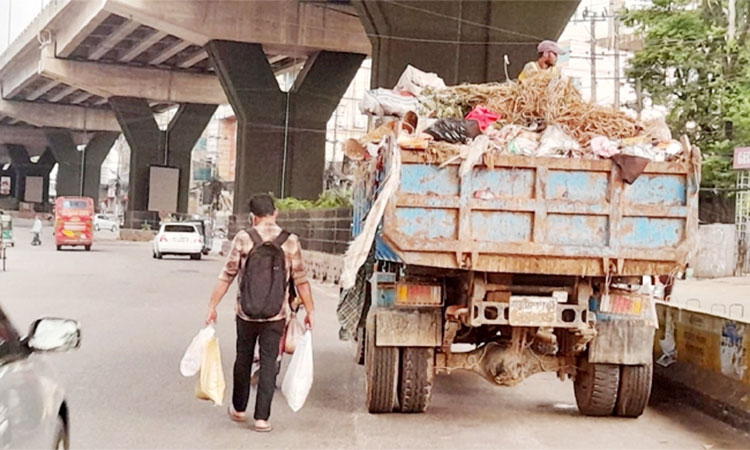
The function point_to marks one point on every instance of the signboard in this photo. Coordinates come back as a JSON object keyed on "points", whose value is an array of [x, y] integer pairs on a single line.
{"points": [[5, 185], [162, 188], [741, 158], [34, 190]]}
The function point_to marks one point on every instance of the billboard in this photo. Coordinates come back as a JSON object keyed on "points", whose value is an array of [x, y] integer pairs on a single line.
{"points": [[5, 183], [163, 186], [34, 190]]}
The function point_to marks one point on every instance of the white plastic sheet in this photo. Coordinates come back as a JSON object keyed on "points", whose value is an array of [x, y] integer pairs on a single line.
{"points": [[193, 358], [299, 375]]}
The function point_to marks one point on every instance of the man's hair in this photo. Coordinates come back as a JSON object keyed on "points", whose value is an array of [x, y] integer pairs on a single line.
{"points": [[261, 205]]}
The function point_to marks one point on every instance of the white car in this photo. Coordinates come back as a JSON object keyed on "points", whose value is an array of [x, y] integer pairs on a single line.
{"points": [[178, 239], [102, 222], [33, 410]]}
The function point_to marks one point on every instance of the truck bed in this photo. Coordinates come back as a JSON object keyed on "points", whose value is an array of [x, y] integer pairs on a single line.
{"points": [[558, 216]]}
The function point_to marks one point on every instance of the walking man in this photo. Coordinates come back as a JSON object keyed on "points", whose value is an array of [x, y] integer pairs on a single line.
{"points": [[36, 231], [264, 259]]}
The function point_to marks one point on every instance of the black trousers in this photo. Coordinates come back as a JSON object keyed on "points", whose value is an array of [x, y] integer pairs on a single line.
{"points": [[269, 336]]}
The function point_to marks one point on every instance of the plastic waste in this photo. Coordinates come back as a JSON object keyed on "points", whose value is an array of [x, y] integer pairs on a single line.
{"points": [[454, 131], [385, 102], [556, 142], [211, 384], [299, 375], [603, 147], [414, 81], [483, 116], [193, 357]]}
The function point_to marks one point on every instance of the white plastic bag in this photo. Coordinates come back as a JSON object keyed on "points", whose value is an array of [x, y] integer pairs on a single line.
{"points": [[415, 81], [193, 358], [299, 375], [385, 102], [211, 384], [556, 142]]}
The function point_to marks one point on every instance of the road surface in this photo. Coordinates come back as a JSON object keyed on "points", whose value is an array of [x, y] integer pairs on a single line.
{"points": [[139, 314]]}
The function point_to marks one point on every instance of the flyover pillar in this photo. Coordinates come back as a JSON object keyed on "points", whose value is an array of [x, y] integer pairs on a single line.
{"points": [[79, 172], [22, 167], [463, 41], [280, 135], [150, 146]]}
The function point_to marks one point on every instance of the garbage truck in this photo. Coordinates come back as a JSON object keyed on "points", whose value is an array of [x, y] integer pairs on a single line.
{"points": [[535, 263]]}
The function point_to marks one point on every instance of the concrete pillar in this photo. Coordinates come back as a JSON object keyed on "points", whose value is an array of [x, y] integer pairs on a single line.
{"points": [[71, 161], [280, 135], [21, 167], [461, 40], [151, 146]]}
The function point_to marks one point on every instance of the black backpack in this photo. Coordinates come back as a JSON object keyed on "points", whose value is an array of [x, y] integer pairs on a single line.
{"points": [[264, 281]]}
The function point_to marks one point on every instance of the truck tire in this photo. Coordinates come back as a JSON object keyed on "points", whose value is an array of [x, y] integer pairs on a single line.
{"points": [[417, 373], [596, 387], [381, 373], [635, 390]]}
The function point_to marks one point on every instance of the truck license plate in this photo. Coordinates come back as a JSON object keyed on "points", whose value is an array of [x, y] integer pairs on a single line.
{"points": [[532, 311]]}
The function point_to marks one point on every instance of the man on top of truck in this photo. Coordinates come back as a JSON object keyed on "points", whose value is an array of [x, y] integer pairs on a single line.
{"points": [[548, 53]]}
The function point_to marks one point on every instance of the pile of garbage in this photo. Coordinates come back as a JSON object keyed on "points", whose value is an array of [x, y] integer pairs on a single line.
{"points": [[542, 116]]}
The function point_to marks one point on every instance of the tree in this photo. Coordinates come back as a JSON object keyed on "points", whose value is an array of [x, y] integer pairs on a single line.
{"points": [[689, 64]]}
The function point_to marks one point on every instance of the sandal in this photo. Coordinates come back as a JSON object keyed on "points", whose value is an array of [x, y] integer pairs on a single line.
{"points": [[263, 428], [236, 416]]}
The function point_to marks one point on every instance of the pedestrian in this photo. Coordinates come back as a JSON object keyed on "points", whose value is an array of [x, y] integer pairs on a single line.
{"points": [[232, 228], [261, 318], [548, 51], [36, 231]]}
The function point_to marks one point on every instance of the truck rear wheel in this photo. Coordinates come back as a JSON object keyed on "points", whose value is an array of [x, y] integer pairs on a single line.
{"points": [[359, 355], [417, 374], [635, 390], [381, 373], [596, 387]]}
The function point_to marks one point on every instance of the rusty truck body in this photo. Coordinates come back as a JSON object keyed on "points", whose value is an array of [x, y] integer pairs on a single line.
{"points": [[535, 262]]}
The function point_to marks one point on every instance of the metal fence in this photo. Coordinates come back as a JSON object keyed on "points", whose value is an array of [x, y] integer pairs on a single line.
{"points": [[322, 230]]}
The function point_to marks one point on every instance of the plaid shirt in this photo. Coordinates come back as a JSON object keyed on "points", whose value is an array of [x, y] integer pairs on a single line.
{"points": [[241, 246]]}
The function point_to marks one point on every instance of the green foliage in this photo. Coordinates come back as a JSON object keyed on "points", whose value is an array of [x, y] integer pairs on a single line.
{"points": [[327, 200], [689, 65]]}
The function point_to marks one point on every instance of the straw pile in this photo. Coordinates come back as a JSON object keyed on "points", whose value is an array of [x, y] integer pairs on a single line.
{"points": [[541, 97]]}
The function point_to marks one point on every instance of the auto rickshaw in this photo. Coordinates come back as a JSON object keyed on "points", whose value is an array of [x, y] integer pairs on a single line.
{"points": [[6, 226]]}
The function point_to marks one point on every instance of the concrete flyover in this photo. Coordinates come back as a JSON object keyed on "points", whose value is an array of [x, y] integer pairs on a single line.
{"points": [[66, 68]]}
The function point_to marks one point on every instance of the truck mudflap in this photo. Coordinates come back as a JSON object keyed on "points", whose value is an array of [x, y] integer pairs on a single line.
{"points": [[408, 327], [623, 341]]}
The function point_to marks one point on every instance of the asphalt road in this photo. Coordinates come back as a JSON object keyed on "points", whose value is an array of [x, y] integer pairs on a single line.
{"points": [[139, 314]]}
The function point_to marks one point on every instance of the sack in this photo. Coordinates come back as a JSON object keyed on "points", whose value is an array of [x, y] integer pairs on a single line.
{"points": [[299, 375], [264, 281], [294, 330], [193, 357], [385, 102], [414, 81], [211, 383]]}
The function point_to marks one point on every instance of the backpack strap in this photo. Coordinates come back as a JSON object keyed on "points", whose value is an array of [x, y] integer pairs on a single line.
{"points": [[281, 238], [257, 240]]}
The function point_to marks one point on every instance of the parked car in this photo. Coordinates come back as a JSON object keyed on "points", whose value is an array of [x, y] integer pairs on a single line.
{"points": [[33, 410], [104, 222], [178, 239], [205, 231]]}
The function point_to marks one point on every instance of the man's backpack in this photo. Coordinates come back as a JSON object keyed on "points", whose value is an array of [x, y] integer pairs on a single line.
{"points": [[264, 281]]}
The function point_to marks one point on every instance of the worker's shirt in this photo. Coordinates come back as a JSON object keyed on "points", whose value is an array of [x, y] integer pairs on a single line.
{"points": [[37, 227], [241, 247], [532, 68]]}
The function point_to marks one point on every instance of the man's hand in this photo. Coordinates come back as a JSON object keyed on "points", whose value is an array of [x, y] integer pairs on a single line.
{"points": [[310, 319], [211, 316]]}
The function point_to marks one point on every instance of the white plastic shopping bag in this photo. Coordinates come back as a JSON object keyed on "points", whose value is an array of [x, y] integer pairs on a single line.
{"points": [[299, 375], [211, 384], [193, 358]]}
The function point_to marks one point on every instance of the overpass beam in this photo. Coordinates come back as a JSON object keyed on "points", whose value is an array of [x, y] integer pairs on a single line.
{"points": [[280, 135], [150, 146], [465, 41], [79, 172]]}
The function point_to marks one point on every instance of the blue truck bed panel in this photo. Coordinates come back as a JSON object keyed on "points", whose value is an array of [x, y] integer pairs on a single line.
{"points": [[541, 215]]}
